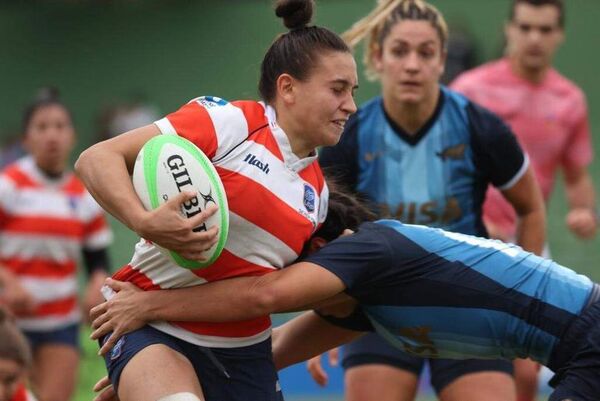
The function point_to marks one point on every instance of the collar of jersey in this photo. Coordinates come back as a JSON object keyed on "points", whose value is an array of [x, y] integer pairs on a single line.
{"points": [[417, 136], [28, 164], [290, 159]]}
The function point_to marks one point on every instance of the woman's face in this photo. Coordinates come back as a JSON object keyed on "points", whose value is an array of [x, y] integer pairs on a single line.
{"points": [[410, 62], [50, 137], [11, 375], [323, 102]]}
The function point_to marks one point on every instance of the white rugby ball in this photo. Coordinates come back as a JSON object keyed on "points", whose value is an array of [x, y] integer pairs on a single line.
{"points": [[170, 164]]}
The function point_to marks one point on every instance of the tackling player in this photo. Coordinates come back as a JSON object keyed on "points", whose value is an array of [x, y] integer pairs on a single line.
{"points": [[427, 291]]}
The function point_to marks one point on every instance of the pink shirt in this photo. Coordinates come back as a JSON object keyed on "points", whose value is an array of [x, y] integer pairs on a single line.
{"points": [[549, 119]]}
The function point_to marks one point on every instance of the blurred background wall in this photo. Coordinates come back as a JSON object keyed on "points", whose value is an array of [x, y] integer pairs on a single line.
{"points": [[156, 55]]}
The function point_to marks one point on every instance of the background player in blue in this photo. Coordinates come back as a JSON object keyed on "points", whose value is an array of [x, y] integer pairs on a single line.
{"points": [[427, 291], [424, 154]]}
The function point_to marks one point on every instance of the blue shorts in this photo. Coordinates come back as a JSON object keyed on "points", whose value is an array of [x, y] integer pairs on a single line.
{"points": [[233, 374], [68, 335], [372, 349], [576, 359]]}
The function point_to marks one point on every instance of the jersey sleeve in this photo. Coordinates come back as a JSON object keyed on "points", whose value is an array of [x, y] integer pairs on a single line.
{"points": [[497, 152], [578, 152], [357, 320], [340, 162], [355, 259], [214, 125], [97, 233]]}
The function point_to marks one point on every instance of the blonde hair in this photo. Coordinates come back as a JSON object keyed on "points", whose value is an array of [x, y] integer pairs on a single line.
{"points": [[378, 23]]}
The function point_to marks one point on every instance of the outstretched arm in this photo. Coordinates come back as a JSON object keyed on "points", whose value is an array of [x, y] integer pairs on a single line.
{"points": [[235, 299], [306, 336]]}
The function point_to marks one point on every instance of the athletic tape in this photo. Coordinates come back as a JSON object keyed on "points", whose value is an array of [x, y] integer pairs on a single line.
{"points": [[180, 397]]}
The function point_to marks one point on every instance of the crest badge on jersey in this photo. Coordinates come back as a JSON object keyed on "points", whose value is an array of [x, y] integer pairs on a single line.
{"points": [[211, 101], [309, 198], [72, 203]]}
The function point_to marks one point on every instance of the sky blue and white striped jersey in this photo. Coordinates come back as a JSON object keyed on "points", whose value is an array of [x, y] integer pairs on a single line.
{"points": [[438, 294], [436, 177]]}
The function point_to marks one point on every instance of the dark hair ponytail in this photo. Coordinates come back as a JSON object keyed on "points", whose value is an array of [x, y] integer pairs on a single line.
{"points": [[45, 96], [295, 52]]}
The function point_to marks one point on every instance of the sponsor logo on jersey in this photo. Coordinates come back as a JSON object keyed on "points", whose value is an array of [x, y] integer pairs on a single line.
{"points": [[211, 101], [416, 341], [456, 152], [427, 213], [309, 198], [254, 161]]}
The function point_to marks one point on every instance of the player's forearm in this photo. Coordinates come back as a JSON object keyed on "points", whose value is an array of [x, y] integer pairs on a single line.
{"points": [[306, 336], [531, 231], [580, 191], [223, 301], [104, 173]]}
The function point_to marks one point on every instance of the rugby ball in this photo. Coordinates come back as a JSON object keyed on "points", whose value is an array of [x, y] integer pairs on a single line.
{"points": [[170, 164]]}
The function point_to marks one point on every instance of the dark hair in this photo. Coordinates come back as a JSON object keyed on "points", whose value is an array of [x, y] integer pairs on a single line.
{"points": [[46, 96], [13, 345], [295, 52], [345, 210], [538, 3]]}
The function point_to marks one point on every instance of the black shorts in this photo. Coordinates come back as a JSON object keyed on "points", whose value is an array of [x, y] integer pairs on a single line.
{"points": [[235, 374], [372, 349], [68, 335], [576, 359]]}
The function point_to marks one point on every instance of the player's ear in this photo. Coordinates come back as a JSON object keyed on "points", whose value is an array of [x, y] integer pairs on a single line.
{"points": [[315, 244]]}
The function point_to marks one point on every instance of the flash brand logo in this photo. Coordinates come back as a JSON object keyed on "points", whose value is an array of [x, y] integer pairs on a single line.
{"points": [[253, 161]]}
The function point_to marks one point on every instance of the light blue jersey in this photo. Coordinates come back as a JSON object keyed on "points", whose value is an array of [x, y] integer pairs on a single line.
{"points": [[438, 294], [437, 176]]}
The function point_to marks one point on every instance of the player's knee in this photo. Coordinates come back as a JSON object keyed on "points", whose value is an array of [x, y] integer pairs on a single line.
{"points": [[180, 397]]}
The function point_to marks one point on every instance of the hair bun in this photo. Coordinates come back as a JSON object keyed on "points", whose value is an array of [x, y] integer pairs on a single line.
{"points": [[295, 13], [47, 93]]}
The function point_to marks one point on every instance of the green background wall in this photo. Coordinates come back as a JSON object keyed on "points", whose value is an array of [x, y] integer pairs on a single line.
{"points": [[98, 53]]}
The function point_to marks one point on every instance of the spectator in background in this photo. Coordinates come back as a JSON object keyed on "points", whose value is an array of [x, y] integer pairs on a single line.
{"points": [[15, 360], [548, 113], [125, 116], [47, 222], [462, 52]]}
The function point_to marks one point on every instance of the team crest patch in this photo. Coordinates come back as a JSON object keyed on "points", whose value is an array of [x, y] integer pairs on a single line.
{"points": [[309, 198], [117, 349], [73, 203], [456, 152]]}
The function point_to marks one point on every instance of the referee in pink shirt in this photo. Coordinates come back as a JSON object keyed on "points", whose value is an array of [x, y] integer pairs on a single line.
{"points": [[548, 114]]}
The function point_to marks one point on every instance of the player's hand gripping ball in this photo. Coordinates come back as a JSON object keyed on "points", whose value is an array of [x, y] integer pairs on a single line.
{"points": [[170, 164]]}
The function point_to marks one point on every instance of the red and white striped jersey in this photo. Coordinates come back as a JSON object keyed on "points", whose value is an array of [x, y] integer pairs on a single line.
{"points": [[44, 225], [276, 201], [22, 394]]}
